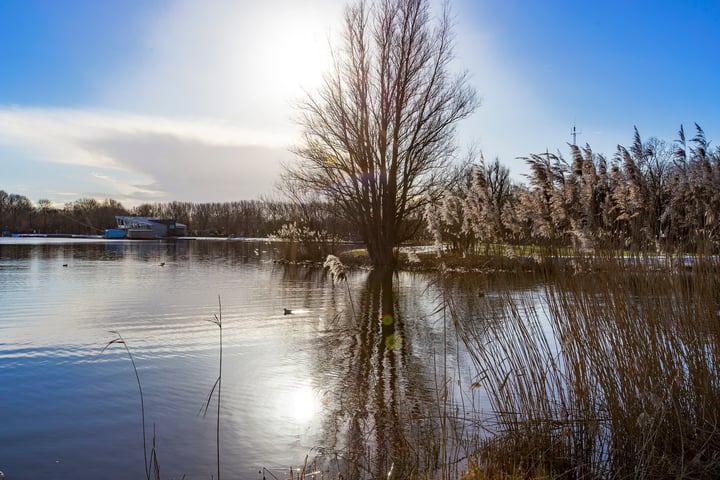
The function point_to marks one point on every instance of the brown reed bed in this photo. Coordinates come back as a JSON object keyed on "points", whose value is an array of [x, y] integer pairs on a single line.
{"points": [[609, 372]]}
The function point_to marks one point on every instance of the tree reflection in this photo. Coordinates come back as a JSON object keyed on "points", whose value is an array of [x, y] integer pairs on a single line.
{"points": [[383, 419]]}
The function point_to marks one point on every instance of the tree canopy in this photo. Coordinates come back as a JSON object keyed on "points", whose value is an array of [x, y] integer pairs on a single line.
{"points": [[380, 130]]}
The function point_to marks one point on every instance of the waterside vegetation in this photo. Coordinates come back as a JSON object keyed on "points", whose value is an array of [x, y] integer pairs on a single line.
{"points": [[609, 374], [609, 370]]}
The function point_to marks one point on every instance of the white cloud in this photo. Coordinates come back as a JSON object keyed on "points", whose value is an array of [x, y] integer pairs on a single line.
{"points": [[204, 111], [187, 168], [135, 157]]}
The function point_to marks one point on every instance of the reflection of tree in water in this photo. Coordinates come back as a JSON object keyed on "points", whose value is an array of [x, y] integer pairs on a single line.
{"points": [[383, 418]]}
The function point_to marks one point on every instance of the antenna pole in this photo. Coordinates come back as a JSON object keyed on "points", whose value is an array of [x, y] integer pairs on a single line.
{"points": [[574, 134]]}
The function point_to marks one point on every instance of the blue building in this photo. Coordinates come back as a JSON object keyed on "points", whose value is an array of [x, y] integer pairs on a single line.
{"points": [[146, 228]]}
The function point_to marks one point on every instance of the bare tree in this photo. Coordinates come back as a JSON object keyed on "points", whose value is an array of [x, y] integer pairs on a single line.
{"points": [[381, 129], [19, 209], [3, 210]]}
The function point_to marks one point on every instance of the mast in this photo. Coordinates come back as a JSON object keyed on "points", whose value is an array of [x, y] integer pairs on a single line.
{"points": [[574, 134]]}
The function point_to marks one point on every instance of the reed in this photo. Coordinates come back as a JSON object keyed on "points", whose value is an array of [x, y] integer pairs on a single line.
{"points": [[151, 465], [338, 273], [612, 372], [216, 320]]}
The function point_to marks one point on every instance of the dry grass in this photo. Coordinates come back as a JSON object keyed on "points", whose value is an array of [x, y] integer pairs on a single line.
{"points": [[609, 374]]}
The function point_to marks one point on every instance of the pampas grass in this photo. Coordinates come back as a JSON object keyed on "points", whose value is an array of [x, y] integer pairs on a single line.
{"points": [[338, 273], [336, 267]]}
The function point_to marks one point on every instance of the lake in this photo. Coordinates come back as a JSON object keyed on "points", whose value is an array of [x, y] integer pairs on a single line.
{"points": [[357, 369]]}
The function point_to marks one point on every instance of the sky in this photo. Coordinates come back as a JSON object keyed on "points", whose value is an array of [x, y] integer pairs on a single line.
{"points": [[195, 100]]}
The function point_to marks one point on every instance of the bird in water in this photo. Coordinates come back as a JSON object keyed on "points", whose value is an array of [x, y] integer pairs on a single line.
{"points": [[287, 311], [64, 265], [162, 264]]}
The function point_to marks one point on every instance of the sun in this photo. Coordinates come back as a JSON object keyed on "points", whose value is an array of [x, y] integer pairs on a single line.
{"points": [[296, 54]]}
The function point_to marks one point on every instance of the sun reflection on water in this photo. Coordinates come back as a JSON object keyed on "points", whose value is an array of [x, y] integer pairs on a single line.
{"points": [[302, 404]]}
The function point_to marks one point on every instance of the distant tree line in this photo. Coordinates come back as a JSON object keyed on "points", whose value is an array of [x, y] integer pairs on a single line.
{"points": [[246, 218], [649, 197]]}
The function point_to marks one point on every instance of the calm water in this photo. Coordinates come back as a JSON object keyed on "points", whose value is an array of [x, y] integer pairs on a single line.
{"points": [[329, 378]]}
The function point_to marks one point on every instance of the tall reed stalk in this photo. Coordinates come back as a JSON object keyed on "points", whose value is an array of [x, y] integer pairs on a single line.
{"points": [[217, 320], [152, 464], [338, 273]]}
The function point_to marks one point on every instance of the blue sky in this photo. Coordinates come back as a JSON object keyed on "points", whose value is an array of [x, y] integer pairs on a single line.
{"points": [[193, 100]]}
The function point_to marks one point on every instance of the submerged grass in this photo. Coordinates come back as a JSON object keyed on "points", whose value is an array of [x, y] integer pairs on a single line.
{"points": [[609, 374]]}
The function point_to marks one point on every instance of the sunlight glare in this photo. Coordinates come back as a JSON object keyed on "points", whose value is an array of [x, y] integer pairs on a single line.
{"points": [[293, 51], [303, 404]]}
